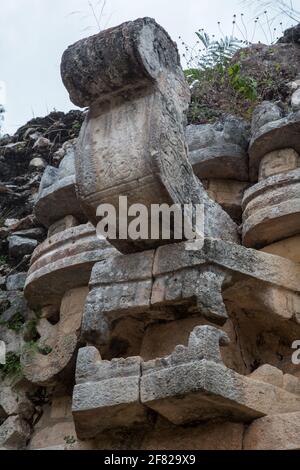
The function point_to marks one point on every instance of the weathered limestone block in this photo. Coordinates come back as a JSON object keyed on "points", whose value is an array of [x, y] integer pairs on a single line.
{"points": [[57, 196], [272, 308], [287, 248], [58, 343], [201, 287], [232, 257], [107, 394], [209, 436], [229, 194], [149, 285], [160, 340], [14, 433], [219, 150], [133, 141], [20, 246], [278, 432], [192, 384], [117, 288], [278, 161], [63, 262], [264, 113], [14, 402], [268, 374], [271, 210], [56, 427], [69, 221], [275, 134], [16, 282], [295, 100]]}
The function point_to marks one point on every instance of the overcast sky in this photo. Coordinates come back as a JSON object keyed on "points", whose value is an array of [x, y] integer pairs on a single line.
{"points": [[34, 34]]}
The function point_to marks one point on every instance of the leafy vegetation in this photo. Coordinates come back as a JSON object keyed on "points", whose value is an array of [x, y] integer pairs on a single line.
{"points": [[229, 74], [70, 440], [31, 330], [3, 260], [34, 346], [209, 52], [16, 323], [13, 365]]}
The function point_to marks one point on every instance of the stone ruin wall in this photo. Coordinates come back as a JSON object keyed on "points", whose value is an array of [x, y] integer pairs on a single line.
{"points": [[150, 346]]}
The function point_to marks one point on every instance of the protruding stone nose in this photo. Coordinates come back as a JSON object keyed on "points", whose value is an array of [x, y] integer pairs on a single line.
{"points": [[132, 143]]}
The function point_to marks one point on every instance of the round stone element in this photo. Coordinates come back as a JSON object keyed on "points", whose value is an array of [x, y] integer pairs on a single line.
{"points": [[63, 262], [280, 134], [272, 210], [278, 161]]}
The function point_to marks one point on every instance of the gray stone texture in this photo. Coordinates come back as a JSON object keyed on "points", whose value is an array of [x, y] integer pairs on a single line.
{"points": [[272, 133], [140, 57], [219, 150], [57, 196], [272, 209]]}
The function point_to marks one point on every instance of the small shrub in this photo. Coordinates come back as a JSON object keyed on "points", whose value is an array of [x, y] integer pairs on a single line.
{"points": [[3, 260], [16, 323], [13, 365], [70, 440], [33, 347]]}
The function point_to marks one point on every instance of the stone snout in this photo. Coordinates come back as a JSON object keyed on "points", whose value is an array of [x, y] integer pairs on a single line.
{"points": [[133, 143], [191, 385]]}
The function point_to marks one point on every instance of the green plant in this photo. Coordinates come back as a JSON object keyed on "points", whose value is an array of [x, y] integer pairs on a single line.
{"points": [[12, 367], [44, 349], [31, 329], [70, 440], [16, 323], [33, 347], [76, 126], [210, 52], [244, 85], [3, 260]]}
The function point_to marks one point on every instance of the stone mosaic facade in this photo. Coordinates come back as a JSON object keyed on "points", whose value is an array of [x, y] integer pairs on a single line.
{"points": [[147, 345]]}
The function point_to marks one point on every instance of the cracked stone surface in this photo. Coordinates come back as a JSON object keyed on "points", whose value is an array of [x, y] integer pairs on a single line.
{"points": [[140, 57], [275, 134], [191, 385], [63, 262], [106, 394], [147, 285], [271, 210], [219, 150]]}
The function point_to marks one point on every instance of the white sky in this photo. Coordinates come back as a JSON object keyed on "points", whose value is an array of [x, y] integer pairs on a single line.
{"points": [[34, 34]]}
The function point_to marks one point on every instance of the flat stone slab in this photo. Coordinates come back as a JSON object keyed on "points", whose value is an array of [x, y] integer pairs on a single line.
{"points": [[14, 433], [189, 386], [58, 201], [192, 384], [149, 285], [107, 394], [57, 195], [219, 150]]}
